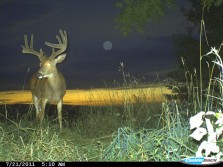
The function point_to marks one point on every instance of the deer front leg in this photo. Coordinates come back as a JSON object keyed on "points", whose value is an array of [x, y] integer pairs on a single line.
{"points": [[42, 112], [37, 107], [59, 110]]}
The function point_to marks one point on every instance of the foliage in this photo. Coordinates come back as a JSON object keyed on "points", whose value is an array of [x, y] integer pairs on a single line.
{"points": [[204, 30], [209, 3], [165, 144], [186, 48], [135, 14], [212, 21], [210, 146], [208, 123]]}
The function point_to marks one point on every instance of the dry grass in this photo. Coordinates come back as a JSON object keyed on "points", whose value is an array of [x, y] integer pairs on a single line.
{"points": [[94, 96]]}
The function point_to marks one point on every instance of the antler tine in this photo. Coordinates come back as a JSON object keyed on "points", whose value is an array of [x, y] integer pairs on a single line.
{"points": [[31, 42], [28, 49], [26, 41], [62, 44]]}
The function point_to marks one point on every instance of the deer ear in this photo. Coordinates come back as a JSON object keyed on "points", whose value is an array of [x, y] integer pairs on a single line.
{"points": [[60, 58]]}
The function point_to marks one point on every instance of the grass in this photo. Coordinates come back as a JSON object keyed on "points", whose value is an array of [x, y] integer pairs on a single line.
{"points": [[86, 134], [131, 132], [135, 130]]}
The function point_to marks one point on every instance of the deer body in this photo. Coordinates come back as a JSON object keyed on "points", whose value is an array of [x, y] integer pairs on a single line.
{"points": [[48, 84], [47, 87]]}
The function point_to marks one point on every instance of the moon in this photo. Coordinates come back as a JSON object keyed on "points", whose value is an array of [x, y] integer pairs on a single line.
{"points": [[107, 45]]}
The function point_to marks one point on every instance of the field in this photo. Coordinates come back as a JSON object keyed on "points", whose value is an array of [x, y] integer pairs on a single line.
{"points": [[94, 97], [91, 120], [122, 124]]}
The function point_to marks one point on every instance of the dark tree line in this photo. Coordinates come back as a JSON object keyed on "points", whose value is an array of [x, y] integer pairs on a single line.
{"points": [[190, 45]]}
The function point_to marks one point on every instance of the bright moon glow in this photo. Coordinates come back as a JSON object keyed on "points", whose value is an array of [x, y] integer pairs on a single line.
{"points": [[107, 45]]}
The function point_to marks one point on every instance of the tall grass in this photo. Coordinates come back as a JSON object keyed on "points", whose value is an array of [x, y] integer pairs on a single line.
{"points": [[168, 143], [205, 98]]}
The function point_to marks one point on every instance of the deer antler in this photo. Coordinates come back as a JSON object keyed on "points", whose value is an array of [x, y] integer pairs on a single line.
{"points": [[62, 44], [28, 49]]}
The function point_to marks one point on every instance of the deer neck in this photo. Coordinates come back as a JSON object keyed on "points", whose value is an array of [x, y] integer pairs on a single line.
{"points": [[54, 80]]}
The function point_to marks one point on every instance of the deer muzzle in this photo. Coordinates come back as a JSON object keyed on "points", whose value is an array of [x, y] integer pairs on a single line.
{"points": [[39, 75]]}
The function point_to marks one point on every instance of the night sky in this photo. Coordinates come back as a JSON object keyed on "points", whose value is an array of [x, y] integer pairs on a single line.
{"points": [[88, 23]]}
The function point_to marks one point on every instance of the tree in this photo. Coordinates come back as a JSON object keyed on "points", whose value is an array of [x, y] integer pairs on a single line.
{"points": [[196, 42], [136, 14]]}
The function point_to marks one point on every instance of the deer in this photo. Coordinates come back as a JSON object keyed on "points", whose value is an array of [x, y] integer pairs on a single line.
{"points": [[48, 84]]}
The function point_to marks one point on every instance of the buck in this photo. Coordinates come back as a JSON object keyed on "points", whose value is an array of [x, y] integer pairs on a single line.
{"points": [[48, 84]]}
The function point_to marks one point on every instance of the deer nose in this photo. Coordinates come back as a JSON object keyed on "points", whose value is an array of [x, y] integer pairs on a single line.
{"points": [[39, 75]]}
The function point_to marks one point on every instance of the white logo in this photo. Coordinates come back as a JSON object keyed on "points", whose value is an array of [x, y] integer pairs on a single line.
{"points": [[201, 161]]}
